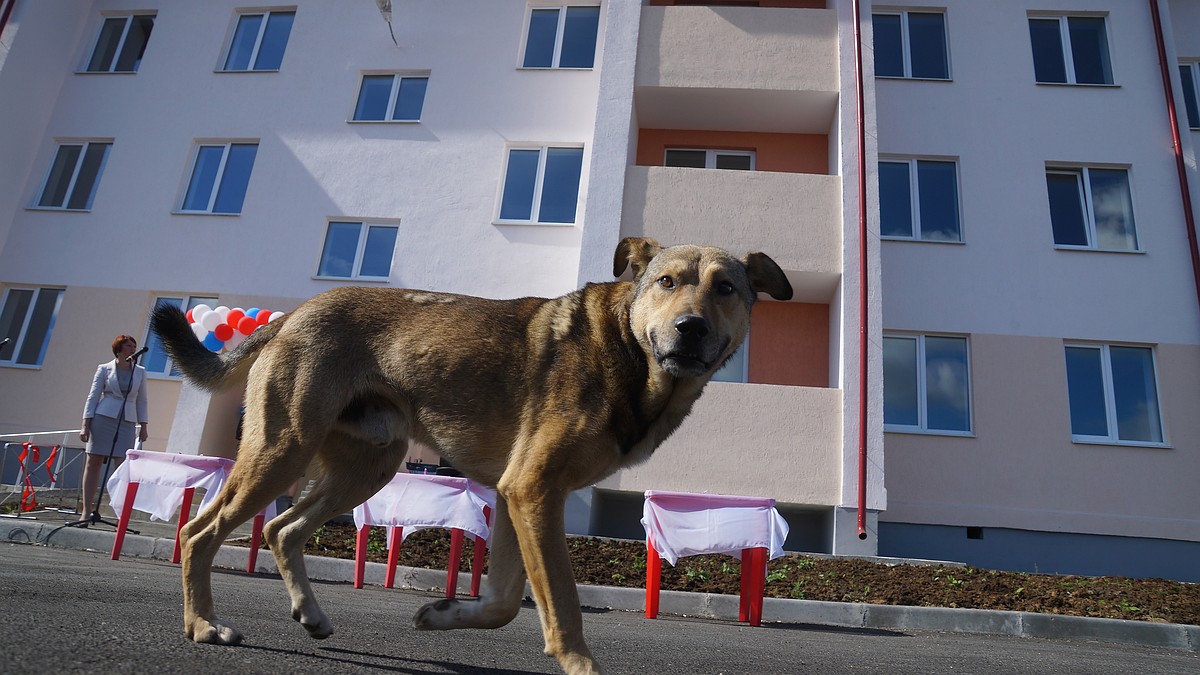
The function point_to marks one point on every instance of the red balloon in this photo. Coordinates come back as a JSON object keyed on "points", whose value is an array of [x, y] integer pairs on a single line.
{"points": [[235, 315], [263, 316], [247, 325], [189, 317], [223, 332]]}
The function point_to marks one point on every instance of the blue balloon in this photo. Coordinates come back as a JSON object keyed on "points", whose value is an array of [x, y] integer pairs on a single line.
{"points": [[212, 342], [253, 312]]}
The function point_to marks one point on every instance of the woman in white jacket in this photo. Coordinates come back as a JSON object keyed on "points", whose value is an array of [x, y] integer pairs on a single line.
{"points": [[115, 406]]}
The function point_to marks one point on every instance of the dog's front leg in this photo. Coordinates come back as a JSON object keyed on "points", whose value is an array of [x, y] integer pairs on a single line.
{"points": [[536, 507], [501, 597]]}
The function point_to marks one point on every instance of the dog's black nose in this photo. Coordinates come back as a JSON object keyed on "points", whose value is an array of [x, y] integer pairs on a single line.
{"points": [[690, 325]]}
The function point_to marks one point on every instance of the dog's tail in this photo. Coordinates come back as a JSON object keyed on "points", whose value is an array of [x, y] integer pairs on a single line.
{"points": [[201, 366]]}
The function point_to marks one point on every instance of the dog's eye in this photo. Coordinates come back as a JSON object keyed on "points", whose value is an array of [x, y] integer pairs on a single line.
{"points": [[666, 282], [725, 288]]}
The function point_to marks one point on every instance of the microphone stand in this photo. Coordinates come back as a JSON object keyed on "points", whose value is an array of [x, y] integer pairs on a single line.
{"points": [[95, 515]]}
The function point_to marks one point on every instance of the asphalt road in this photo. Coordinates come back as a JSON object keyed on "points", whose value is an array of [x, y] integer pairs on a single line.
{"points": [[68, 611]]}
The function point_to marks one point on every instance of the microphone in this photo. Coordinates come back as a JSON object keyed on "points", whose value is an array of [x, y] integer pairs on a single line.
{"points": [[136, 354], [4, 341]]}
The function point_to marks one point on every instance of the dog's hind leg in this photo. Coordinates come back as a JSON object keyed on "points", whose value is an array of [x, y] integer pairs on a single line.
{"points": [[501, 597], [352, 471]]}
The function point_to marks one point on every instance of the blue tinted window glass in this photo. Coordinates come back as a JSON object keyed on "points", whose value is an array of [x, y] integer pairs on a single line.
{"points": [[106, 45], [236, 178], [155, 360], [889, 45], [947, 390], [927, 44], [55, 192], [1085, 390], [696, 159], [89, 176], [135, 43], [519, 182], [900, 381], [1066, 209], [560, 185], [895, 200], [579, 37], [1112, 208], [937, 189], [41, 324], [410, 99], [1046, 38], [377, 256], [204, 177], [341, 245], [274, 41], [373, 97], [1135, 394], [539, 44], [1190, 100], [1089, 50], [241, 48], [734, 369], [12, 319]]}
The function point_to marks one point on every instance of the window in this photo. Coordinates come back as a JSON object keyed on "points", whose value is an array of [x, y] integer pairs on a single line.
{"points": [[1070, 50], [259, 41], [911, 44], [926, 384], [394, 98], [1189, 76], [156, 360], [1091, 208], [358, 251], [1113, 394], [121, 43], [561, 37], [220, 177], [736, 368], [918, 199], [74, 176], [26, 321], [541, 185], [710, 159]]}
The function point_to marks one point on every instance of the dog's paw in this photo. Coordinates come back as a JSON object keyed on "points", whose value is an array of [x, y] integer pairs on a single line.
{"points": [[317, 624], [214, 632], [438, 615]]}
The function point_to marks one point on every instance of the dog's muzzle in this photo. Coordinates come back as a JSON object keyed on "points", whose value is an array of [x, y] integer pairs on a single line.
{"points": [[687, 352]]}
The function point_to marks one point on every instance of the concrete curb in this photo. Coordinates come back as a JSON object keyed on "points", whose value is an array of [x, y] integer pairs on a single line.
{"points": [[703, 605]]}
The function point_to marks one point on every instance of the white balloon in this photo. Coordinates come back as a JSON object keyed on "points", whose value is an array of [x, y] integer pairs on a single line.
{"points": [[234, 341], [211, 320], [223, 311], [274, 316], [200, 309], [200, 331]]}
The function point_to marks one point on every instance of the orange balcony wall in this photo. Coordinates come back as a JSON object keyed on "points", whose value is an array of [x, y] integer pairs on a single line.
{"points": [[789, 153], [789, 344]]}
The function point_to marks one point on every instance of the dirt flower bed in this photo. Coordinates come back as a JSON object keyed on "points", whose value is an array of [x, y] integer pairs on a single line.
{"points": [[623, 563]]}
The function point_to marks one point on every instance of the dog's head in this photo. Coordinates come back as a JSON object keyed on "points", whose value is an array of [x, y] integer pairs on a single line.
{"points": [[691, 304]]}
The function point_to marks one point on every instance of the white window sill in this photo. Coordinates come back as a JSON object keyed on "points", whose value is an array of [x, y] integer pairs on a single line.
{"points": [[1078, 84], [22, 366], [917, 431], [914, 240], [222, 72], [383, 121], [552, 68], [1112, 442], [56, 209], [106, 72], [914, 79], [1092, 249], [369, 280], [530, 223], [204, 213]]}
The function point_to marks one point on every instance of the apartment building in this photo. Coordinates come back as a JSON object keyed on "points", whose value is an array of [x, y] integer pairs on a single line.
{"points": [[910, 168]]}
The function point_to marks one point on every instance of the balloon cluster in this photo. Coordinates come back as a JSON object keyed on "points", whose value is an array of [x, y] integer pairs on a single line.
{"points": [[224, 328]]}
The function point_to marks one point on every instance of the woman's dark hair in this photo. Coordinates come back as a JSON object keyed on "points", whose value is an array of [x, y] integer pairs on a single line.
{"points": [[120, 340]]}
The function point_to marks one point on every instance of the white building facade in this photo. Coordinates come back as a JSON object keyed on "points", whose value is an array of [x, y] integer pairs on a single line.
{"points": [[253, 157]]}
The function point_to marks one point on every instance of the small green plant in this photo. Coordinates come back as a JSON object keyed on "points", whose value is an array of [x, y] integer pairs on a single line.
{"points": [[726, 568], [694, 574], [806, 564], [618, 577], [798, 590], [776, 575]]}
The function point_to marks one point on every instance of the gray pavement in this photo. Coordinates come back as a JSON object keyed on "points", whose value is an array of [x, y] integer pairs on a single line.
{"points": [[156, 543]]}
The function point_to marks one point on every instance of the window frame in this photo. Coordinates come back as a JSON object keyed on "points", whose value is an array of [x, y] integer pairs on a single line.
{"points": [[560, 32], [1067, 55], [906, 56], [19, 343], [922, 393], [230, 42], [1110, 403], [217, 179], [711, 155], [539, 184], [393, 96], [744, 376], [1191, 104], [73, 181], [1083, 174], [154, 343], [917, 233], [365, 226], [121, 41]]}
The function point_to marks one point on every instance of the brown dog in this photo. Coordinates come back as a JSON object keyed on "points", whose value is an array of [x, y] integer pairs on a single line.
{"points": [[537, 397]]}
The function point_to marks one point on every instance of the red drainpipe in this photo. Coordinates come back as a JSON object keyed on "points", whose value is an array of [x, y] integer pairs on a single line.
{"points": [[862, 278], [1180, 166], [8, 8]]}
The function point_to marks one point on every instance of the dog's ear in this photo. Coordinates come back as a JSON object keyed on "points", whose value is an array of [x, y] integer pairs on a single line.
{"points": [[636, 252], [766, 277]]}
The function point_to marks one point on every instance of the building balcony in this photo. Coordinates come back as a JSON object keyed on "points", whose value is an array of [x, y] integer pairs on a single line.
{"points": [[794, 218], [750, 439], [737, 68]]}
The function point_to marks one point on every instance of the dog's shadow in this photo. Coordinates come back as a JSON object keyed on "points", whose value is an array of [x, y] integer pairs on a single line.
{"points": [[399, 664]]}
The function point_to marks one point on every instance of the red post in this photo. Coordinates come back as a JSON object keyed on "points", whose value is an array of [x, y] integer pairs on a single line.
{"points": [[255, 541], [360, 555], [653, 579], [185, 512], [123, 520], [393, 556], [456, 543], [758, 586], [747, 576], [480, 550]]}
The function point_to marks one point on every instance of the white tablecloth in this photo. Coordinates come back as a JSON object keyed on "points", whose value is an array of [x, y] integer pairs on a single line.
{"points": [[680, 524], [162, 477], [415, 501]]}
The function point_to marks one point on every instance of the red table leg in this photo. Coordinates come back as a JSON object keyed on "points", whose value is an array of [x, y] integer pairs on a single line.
{"points": [[758, 586], [255, 541], [456, 542], [185, 512], [480, 550], [653, 579], [360, 555], [389, 579], [123, 521], [746, 580]]}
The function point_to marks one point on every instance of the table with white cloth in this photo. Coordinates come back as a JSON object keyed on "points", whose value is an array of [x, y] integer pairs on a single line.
{"points": [[680, 524], [410, 502]]}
